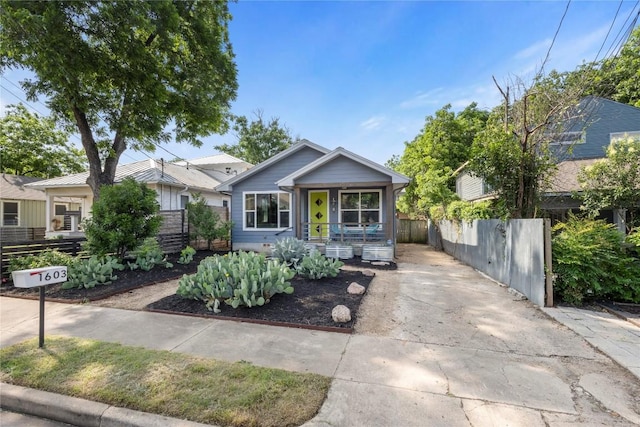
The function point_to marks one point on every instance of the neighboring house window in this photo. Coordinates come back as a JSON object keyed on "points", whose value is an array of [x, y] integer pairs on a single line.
{"points": [[60, 209], [617, 136], [360, 206], [10, 213], [183, 202], [568, 138], [225, 203], [267, 210]]}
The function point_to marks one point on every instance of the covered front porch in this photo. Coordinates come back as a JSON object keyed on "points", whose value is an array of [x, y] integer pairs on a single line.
{"points": [[347, 214]]}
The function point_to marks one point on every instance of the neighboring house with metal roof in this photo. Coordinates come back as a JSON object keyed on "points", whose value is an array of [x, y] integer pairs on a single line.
{"points": [[581, 144], [219, 166], [314, 194], [22, 208], [173, 183]]}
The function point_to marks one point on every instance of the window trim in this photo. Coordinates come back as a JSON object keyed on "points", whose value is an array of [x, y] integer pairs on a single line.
{"points": [[360, 191], [255, 194], [564, 142], [17, 202], [617, 136]]}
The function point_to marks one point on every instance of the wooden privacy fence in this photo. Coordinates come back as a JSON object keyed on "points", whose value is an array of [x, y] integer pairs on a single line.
{"points": [[412, 231], [173, 236]]}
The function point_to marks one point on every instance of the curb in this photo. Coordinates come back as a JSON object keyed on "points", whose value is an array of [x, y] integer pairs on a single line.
{"points": [[80, 412]]}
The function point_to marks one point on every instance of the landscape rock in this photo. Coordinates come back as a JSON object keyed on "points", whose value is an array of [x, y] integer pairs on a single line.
{"points": [[369, 273], [356, 289], [341, 314], [380, 263]]}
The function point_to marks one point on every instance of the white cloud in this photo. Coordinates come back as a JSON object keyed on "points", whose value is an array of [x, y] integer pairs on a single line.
{"points": [[373, 123], [536, 50], [422, 99]]}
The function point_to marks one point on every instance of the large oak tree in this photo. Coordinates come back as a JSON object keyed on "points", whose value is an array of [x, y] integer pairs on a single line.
{"points": [[126, 74]]}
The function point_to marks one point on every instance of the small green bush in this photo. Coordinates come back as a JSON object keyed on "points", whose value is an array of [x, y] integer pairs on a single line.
{"points": [[186, 255], [239, 279], [589, 261], [91, 272], [462, 210], [45, 258], [316, 266], [633, 241], [289, 250], [148, 255]]}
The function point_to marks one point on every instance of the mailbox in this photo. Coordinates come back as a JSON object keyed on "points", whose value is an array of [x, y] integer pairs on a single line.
{"points": [[35, 277]]}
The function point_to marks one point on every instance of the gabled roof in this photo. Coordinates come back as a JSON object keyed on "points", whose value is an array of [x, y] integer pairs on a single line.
{"points": [[565, 180], [215, 159], [13, 187], [396, 178], [227, 186], [147, 171]]}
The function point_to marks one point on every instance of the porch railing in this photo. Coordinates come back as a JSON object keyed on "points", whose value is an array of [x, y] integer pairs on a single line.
{"points": [[353, 232]]}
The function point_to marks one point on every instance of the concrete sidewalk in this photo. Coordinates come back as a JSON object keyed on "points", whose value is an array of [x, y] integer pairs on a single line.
{"points": [[438, 344]]}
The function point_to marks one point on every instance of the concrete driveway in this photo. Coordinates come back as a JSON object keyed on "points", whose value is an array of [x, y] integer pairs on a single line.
{"points": [[438, 344]]}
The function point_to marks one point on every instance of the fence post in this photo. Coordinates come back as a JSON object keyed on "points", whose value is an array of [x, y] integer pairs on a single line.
{"points": [[548, 263]]}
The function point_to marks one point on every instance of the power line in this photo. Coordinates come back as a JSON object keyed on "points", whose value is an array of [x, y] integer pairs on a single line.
{"points": [[546, 58], [609, 31]]}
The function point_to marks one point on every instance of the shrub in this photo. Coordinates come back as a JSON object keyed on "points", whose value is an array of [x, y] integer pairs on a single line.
{"points": [[462, 210], [148, 255], [633, 240], [204, 222], [45, 258], [289, 251], [186, 255], [590, 262], [123, 216], [317, 266], [88, 273], [239, 279]]}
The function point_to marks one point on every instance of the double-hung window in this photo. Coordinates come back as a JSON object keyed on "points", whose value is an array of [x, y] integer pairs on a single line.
{"points": [[360, 206], [266, 210], [10, 213]]}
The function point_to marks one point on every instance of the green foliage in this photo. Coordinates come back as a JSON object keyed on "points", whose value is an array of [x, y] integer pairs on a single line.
{"points": [[258, 140], [289, 250], [589, 261], [45, 258], [148, 255], [239, 279], [24, 136], [440, 148], [91, 272], [462, 210], [204, 222], [317, 266], [613, 181], [122, 73], [633, 240], [186, 255], [123, 217]]}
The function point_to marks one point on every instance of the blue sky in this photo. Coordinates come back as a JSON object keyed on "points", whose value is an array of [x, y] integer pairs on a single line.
{"points": [[364, 75]]}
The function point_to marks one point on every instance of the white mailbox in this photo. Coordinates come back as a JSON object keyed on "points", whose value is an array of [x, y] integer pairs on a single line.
{"points": [[39, 276]]}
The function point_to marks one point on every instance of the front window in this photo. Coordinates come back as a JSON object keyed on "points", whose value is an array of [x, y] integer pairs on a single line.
{"points": [[267, 210], [10, 214], [360, 207]]}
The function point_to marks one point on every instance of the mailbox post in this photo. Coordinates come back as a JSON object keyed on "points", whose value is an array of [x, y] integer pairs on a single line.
{"points": [[39, 277]]}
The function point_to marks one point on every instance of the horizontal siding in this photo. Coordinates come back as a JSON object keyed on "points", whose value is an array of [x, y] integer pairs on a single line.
{"points": [[343, 170], [469, 187], [604, 117], [265, 180]]}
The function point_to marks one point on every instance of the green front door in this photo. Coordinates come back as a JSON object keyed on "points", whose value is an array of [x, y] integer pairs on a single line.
{"points": [[318, 215]]}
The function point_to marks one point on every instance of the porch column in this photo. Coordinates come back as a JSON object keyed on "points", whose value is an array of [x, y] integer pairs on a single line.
{"points": [[48, 212], [298, 205], [619, 218], [391, 213]]}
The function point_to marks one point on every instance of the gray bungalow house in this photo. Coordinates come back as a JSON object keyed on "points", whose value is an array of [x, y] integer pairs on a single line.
{"points": [[315, 195]]}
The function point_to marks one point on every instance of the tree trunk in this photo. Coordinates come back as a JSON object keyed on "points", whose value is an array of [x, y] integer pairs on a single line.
{"points": [[97, 177]]}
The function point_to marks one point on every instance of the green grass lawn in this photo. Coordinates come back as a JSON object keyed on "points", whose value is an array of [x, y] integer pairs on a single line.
{"points": [[161, 382]]}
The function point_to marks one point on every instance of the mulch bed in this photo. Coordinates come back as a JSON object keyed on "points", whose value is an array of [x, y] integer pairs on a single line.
{"points": [[309, 306], [127, 281]]}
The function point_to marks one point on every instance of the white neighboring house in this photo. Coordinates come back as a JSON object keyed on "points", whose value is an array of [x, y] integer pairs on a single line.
{"points": [[174, 184]]}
